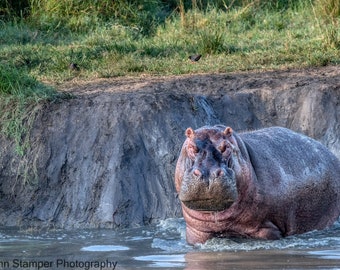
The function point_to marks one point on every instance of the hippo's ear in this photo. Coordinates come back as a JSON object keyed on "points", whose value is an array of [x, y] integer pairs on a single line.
{"points": [[228, 131], [190, 133]]}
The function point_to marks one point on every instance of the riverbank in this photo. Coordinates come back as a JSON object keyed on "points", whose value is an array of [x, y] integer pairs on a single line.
{"points": [[44, 45], [106, 157]]}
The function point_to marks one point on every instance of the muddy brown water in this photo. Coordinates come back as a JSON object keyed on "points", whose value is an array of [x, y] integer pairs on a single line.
{"points": [[163, 246]]}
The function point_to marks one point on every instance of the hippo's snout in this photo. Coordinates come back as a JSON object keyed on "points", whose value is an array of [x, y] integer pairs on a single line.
{"points": [[213, 190], [215, 174]]}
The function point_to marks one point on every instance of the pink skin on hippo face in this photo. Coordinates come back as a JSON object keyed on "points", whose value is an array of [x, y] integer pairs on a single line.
{"points": [[244, 185], [209, 183]]}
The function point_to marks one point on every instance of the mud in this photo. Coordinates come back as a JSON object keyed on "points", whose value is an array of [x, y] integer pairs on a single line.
{"points": [[106, 158]]}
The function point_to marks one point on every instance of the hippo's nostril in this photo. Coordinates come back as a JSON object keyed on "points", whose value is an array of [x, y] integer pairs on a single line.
{"points": [[218, 173], [197, 172]]}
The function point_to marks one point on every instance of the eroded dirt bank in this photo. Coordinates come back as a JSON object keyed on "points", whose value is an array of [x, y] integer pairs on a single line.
{"points": [[106, 158]]}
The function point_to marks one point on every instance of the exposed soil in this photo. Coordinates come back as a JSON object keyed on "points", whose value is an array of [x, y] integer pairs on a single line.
{"points": [[106, 158]]}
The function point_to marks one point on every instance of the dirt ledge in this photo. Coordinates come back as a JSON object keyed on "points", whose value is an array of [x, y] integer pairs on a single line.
{"points": [[106, 158]]}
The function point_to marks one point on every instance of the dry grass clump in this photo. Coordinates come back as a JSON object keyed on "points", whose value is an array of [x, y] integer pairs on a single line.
{"points": [[327, 14]]}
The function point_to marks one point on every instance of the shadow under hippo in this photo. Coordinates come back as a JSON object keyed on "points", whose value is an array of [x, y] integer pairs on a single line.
{"points": [[264, 184]]}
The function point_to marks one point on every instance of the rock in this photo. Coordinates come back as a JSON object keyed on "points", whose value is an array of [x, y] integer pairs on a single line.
{"points": [[107, 157]]}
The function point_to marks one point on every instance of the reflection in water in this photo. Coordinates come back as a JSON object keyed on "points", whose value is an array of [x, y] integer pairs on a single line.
{"points": [[177, 260], [102, 248], [326, 254], [163, 246], [264, 259]]}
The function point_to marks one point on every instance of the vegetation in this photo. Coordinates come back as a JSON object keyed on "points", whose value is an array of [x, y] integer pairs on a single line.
{"points": [[20, 93], [39, 39], [327, 13], [116, 38]]}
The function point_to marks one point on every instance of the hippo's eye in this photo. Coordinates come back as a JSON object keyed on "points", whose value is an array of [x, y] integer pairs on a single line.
{"points": [[223, 147], [192, 151]]}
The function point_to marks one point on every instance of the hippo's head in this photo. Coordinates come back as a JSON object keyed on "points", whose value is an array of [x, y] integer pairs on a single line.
{"points": [[206, 172]]}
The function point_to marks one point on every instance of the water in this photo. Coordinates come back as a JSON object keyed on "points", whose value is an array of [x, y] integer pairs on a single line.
{"points": [[163, 246]]}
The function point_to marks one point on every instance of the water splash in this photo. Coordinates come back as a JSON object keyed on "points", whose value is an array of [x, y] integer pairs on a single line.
{"points": [[172, 232], [170, 236]]}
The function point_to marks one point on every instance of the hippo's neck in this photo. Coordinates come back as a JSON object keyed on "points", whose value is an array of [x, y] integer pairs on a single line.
{"points": [[207, 221], [202, 226], [215, 221], [246, 179], [247, 187]]}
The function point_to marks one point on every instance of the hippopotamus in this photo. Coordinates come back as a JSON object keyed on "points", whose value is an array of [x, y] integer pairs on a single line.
{"points": [[263, 184]]}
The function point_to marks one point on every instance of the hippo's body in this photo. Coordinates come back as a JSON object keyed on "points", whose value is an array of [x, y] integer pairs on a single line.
{"points": [[265, 184]]}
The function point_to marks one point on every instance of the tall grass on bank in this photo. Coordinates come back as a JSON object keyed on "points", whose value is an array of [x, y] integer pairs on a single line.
{"points": [[75, 15], [19, 94], [327, 15], [116, 38], [21, 98]]}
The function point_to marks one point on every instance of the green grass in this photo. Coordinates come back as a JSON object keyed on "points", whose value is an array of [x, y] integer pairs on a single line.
{"points": [[327, 13], [242, 38], [20, 95]]}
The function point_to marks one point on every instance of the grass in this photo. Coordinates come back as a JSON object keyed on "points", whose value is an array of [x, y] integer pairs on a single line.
{"points": [[327, 13], [20, 96], [119, 38], [242, 38]]}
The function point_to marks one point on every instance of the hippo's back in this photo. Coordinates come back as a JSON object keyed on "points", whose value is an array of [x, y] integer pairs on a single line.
{"points": [[297, 176]]}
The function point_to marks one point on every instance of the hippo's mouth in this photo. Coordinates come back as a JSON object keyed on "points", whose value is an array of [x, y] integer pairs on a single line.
{"points": [[210, 205]]}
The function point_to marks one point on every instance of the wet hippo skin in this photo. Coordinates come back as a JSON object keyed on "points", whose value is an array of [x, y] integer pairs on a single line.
{"points": [[263, 184]]}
